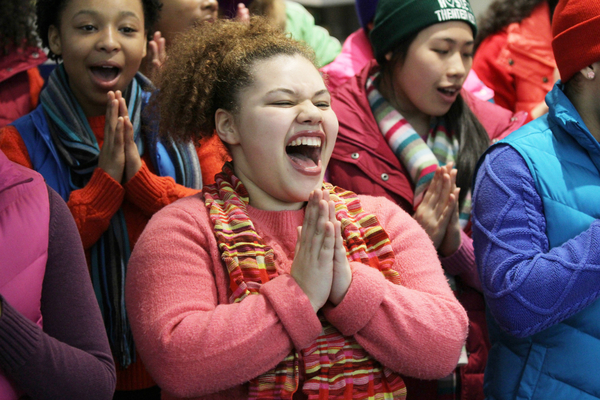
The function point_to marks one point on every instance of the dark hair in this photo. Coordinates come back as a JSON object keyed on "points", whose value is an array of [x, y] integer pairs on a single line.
{"points": [[49, 13], [502, 13], [473, 139], [208, 67], [17, 28]]}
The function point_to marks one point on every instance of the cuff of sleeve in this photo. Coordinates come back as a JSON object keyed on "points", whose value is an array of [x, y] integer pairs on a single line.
{"points": [[103, 193], [293, 309], [144, 188], [18, 338], [363, 299], [462, 259]]}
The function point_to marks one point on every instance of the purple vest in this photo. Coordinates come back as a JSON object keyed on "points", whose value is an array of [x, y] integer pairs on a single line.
{"points": [[24, 227]]}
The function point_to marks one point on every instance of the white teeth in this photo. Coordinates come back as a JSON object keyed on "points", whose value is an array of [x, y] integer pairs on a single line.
{"points": [[306, 141]]}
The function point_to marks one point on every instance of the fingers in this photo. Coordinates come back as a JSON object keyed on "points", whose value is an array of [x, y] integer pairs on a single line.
{"points": [[112, 113]]}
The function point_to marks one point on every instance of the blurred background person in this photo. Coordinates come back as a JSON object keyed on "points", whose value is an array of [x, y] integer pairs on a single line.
{"points": [[513, 53]]}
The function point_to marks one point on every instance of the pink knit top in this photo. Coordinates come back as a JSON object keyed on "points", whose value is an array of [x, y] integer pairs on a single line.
{"points": [[197, 345]]}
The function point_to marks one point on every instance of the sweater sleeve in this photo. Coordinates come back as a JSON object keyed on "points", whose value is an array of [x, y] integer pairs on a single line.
{"points": [[70, 358], [92, 206], [192, 341], [462, 263], [528, 286], [151, 192], [416, 328]]}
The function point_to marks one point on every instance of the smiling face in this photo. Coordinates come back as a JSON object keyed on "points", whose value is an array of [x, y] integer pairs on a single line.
{"points": [[102, 43], [436, 65], [282, 136], [179, 15]]}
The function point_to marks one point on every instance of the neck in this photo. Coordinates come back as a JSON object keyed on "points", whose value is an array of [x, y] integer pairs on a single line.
{"points": [[260, 199], [587, 106], [415, 117]]}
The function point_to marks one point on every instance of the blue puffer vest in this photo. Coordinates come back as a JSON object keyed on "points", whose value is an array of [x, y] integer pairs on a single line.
{"points": [[45, 159], [563, 361]]}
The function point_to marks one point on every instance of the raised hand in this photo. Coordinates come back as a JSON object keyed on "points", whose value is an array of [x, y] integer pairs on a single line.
{"points": [[112, 155], [312, 267], [342, 274], [133, 162], [157, 52], [242, 13], [452, 239], [438, 205]]}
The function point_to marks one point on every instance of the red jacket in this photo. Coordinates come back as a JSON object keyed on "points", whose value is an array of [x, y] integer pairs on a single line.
{"points": [[363, 162], [518, 62], [20, 83]]}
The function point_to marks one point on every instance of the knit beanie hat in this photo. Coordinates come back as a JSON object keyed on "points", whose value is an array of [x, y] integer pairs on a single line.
{"points": [[365, 9], [576, 30], [395, 20]]}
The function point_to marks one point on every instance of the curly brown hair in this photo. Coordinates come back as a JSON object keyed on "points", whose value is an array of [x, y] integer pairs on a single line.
{"points": [[17, 25], [209, 66]]}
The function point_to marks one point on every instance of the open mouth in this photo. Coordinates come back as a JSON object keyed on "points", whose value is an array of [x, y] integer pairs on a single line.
{"points": [[105, 73], [305, 152], [448, 91]]}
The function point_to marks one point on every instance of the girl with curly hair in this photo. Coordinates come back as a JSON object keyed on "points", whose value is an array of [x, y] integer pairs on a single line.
{"points": [[90, 141], [20, 79], [514, 53], [272, 283]]}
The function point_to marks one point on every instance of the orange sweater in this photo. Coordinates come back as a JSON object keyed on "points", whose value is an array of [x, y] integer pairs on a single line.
{"points": [[94, 205]]}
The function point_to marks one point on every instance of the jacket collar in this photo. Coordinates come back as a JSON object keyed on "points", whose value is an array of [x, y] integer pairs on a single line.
{"points": [[564, 114]]}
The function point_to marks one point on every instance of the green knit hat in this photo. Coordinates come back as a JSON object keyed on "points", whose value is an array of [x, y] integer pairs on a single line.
{"points": [[397, 19]]}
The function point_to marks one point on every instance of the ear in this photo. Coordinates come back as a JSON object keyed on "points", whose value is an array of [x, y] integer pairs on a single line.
{"points": [[54, 40], [226, 127], [590, 71], [388, 56]]}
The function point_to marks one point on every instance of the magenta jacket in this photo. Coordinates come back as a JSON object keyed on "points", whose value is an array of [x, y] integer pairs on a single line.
{"points": [[43, 274], [363, 162]]}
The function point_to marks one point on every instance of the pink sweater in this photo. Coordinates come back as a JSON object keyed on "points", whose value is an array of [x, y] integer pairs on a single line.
{"points": [[197, 345]]}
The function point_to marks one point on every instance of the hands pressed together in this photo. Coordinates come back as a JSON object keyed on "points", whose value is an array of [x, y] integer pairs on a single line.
{"points": [[119, 156], [438, 213], [320, 265]]}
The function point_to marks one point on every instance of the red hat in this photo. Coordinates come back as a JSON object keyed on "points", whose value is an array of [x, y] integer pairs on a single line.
{"points": [[576, 33]]}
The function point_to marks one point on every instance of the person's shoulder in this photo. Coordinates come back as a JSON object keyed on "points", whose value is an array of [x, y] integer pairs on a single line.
{"points": [[192, 207]]}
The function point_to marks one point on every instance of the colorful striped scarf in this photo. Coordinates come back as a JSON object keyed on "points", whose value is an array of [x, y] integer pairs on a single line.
{"points": [[421, 156], [335, 366], [76, 143]]}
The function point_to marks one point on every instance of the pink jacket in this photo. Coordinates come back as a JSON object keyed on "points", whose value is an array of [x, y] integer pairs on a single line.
{"points": [[197, 345], [357, 53], [23, 244]]}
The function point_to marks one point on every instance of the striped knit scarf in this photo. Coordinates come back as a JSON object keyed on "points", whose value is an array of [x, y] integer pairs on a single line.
{"points": [[76, 143], [335, 366], [420, 156]]}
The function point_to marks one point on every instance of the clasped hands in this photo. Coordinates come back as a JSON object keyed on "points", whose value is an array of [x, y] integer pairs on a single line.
{"points": [[119, 156], [320, 266], [438, 213]]}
